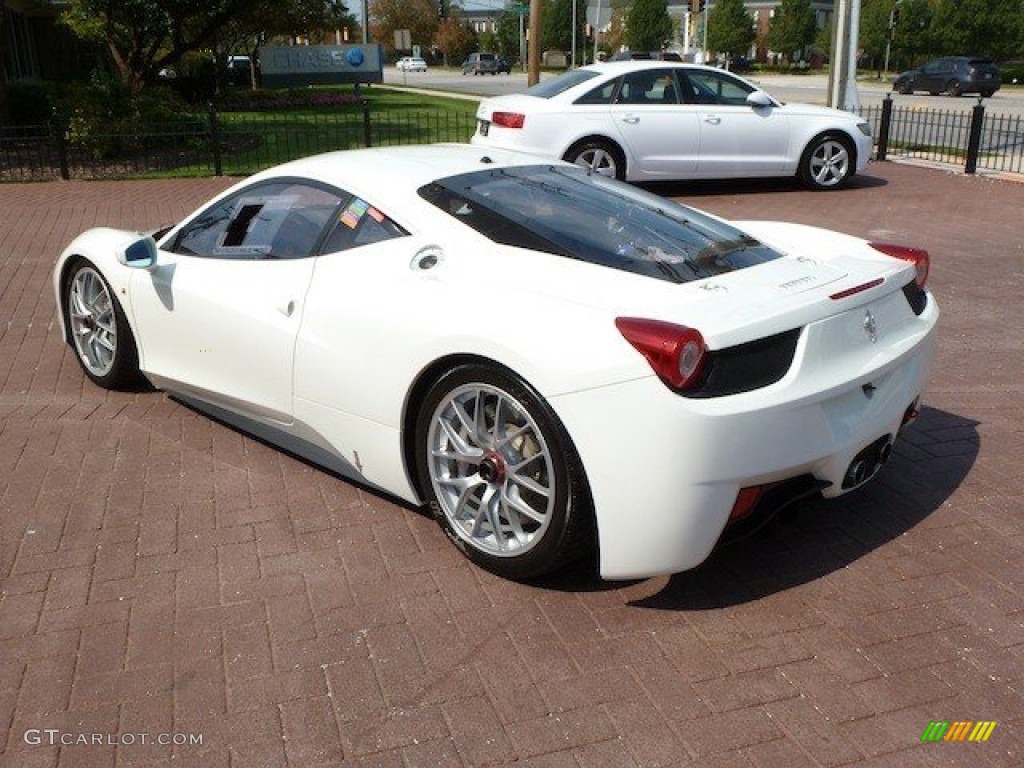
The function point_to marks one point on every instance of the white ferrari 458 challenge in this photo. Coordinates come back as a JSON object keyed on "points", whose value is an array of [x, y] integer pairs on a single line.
{"points": [[555, 362]]}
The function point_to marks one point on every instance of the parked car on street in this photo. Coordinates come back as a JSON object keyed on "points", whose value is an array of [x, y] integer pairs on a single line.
{"points": [[503, 65], [653, 120], [480, 64], [554, 363], [411, 64], [955, 75]]}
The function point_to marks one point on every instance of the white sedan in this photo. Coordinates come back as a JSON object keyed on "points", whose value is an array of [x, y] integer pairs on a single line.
{"points": [[553, 361], [656, 120], [411, 64]]}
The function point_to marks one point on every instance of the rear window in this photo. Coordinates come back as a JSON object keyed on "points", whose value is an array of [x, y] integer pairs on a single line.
{"points": [[569, 212], [545, 89]]}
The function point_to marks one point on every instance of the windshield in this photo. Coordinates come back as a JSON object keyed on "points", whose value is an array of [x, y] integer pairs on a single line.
{"points": [[545, 89], [570, 212]]}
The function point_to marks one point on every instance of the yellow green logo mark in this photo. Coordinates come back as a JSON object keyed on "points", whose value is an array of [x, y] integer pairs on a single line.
{"points": [[958, 730]]}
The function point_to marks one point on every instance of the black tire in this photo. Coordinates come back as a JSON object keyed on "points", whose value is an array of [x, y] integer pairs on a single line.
{"points": [[519, 449], [828, 162], [987, 94], [600, 156], [904, 88], [122, 372], [953, 88]]}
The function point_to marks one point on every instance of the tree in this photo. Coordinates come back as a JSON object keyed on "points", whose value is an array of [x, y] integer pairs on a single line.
{"points": [[978, 27], [144, 36], [648, 25], [615, 37], [912, 37], [506, 30], [558, 23], [792, 29], [455, 40], [730, 28], [418, 16]]}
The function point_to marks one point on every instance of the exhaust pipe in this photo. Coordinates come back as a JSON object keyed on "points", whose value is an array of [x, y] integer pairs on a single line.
{"points": [[866, 463]]}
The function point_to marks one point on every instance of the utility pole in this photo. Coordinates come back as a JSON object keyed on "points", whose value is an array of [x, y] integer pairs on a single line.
{"points": [[597, 28], [533, 49], [572, 58], [842, 75]]}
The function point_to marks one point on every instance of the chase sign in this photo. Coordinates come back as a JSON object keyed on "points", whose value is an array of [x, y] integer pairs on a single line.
{"points": [[289, 66]]}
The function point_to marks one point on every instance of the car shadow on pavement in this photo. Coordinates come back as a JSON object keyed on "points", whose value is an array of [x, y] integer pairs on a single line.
{"points": [[810, 540], [713, 187], [930, 461]]}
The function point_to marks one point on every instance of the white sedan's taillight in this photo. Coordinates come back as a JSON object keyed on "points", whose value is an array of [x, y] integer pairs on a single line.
{"points": [[675, 352], [509, 119], [917, 256]]}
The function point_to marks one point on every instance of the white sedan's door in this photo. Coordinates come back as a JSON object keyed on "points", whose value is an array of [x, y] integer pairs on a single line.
{"points": [[219, 314], [662, 134], [737, 139]]}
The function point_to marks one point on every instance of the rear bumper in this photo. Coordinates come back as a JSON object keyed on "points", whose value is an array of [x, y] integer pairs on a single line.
{"points": [[665, 471]]}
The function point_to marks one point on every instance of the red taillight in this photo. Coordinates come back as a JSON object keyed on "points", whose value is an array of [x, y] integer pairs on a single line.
{"points": [[509, 119], [675, 352], [917, 256]]}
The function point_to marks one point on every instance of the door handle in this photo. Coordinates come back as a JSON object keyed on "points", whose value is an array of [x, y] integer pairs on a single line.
{"points": [[287, 308], [713, 120], [631, 119]]}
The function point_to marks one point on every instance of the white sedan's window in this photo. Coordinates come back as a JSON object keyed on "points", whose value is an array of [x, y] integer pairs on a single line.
{"points": [[718, 88]]}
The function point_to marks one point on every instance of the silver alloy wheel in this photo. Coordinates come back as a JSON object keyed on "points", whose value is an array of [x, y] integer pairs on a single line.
{"points": [[599, 160], [93, 326], [491, 470], [829, 163]]}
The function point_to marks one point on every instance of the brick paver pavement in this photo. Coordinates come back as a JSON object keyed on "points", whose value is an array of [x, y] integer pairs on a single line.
{"points": [[160, 573]]}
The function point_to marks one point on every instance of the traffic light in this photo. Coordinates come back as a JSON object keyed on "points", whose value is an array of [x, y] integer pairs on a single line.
{"points": [[442, 9]]}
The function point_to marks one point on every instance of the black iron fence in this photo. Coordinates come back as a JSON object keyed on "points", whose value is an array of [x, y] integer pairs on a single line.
{"points": [[218, 143], [242, 143], [974, 140]]}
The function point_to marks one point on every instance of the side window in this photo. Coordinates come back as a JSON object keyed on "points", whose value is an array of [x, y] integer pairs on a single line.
{"points": [[359, 223], [278, 220], [718, 88], [648, 86], [601, 95]]}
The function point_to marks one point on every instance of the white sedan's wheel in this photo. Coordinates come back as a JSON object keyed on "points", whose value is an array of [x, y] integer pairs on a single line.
{"points": [[98, 330], [599, 157], [501, 474], [826, 164]]}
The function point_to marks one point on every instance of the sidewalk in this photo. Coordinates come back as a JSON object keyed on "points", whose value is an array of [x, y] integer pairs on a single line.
{"points": [[163, 574]]}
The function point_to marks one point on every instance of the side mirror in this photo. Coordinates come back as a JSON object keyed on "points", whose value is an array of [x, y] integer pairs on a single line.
{"points": [[760, 99], [140, 253]]}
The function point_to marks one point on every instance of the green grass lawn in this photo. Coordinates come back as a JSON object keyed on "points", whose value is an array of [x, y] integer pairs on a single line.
{"points": [[251, 141]]}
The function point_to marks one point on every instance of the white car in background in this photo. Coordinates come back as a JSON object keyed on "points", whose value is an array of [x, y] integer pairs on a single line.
{"points": [[553, 361], [659, 120], [411, 64]]}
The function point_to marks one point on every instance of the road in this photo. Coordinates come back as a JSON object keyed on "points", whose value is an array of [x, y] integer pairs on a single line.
{"points": [[810, 89]]}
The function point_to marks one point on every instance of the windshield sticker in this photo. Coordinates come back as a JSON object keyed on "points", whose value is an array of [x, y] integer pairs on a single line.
{"points": [[354, 213]]}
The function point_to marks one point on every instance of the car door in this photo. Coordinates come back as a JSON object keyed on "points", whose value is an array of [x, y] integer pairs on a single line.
{"points": [[659, 130], [736, 139], [219, 314], [935, 74]]}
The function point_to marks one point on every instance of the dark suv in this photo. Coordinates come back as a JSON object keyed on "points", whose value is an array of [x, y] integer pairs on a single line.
{"points": [[954, 75], [480, 64]]}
